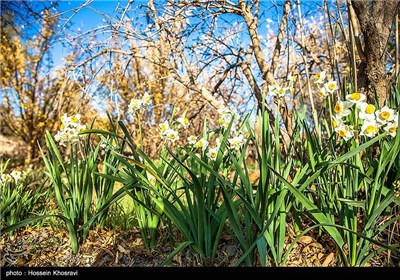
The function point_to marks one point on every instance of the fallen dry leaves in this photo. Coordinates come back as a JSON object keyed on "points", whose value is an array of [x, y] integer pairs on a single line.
{"points": [[110, 248]]}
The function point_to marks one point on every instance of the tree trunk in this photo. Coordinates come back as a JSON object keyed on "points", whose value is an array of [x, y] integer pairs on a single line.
{"points": [[376, 20]]}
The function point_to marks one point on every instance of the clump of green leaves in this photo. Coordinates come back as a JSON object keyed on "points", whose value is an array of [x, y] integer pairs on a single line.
{"points": [[21, 194]]}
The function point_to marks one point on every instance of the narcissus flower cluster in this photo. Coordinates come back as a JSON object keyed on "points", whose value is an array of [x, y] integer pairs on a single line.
{"points": [[172, 135], [15, 177], [69, 129], [370, 120], [169, 131], [137, 104], [324, 86], [282, 91]]}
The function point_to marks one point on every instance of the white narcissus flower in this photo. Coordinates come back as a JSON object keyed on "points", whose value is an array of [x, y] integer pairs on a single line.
{"points": [[212, 153], [16, 175], [322, 93], [65, 119], [225, 120], [225, 116], [336, 122], [192, 139], [291, 79], [272, 90], [369, 128], [367, 111], [5, 178], [246, 132], [391, 127], [331, 86], [202, 143], [146, 99], [72, 135], [281, 91], [345, 132], [184, 121], [236, 142], [356, 97], [172, 135], [342, 108], [76, 118], [134, 105], [384, 115], [320, 77], [164, 126], [58, 136], [80, 128]]}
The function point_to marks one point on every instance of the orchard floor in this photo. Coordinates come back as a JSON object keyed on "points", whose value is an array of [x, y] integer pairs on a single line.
{"points": [[47, 247]]}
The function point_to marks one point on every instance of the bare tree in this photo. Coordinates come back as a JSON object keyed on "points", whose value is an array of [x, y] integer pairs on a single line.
{"points": [[217, 53], [31, 90]]}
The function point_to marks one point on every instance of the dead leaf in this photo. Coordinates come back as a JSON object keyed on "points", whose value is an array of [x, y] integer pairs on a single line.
{"points": [[328, 259], [305, 239], [316, 245], [122, 249], [317, 262]]}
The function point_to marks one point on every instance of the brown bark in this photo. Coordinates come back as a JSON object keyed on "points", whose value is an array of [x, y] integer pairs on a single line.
{"points": [[376, 20]]}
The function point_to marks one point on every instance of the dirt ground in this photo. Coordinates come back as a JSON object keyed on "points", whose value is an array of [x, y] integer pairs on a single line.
{"points": [[47, 247]]}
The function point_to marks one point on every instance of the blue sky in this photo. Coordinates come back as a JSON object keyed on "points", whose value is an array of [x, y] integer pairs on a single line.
{"points": [[88, 17]]}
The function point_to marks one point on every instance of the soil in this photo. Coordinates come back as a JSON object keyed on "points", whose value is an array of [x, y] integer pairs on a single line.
{"points": [[45, 247]]}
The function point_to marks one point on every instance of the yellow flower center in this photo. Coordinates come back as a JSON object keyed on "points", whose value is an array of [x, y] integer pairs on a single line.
{"points": [[317, 76], [338, 108], [385, 115], [62, 126], [370, 109], [163, 127], [355, 96], [62, 118], [186, 120], [393, 129], [320, 94], [342, 133], [370, 129], [74, 119], [200, 144], [172, 136], [334, 124], [213, 154], [331, 86]]}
